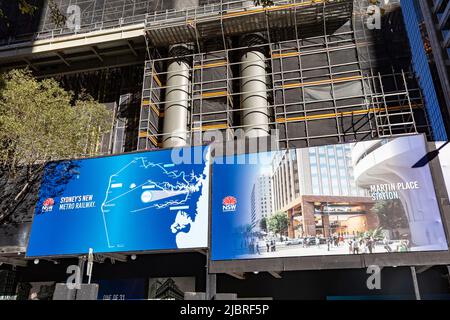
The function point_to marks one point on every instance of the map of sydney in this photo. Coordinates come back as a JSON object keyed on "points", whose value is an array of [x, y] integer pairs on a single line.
{"points": [[143, 187], [134, 202]]}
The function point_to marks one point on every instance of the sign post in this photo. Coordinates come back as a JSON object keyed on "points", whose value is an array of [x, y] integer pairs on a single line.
{"points": [[90, 264]]}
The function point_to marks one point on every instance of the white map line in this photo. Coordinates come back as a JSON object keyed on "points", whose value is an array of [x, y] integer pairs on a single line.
{"points": [[172, 174], [127, 192]]}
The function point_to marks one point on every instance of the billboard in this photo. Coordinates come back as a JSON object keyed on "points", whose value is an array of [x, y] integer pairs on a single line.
{"points": [[347, 199], [134, 202]]}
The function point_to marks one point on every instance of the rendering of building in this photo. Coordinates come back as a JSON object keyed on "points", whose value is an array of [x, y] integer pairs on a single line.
{"points": [[382, 159], [313, 184], [261, 199], [332, 82]]}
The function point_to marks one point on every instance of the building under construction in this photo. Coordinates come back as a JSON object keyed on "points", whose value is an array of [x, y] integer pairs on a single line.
{"points": [[184, 72], [310, 70]]}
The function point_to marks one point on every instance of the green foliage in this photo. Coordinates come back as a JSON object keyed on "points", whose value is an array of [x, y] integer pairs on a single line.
{"points": [[391, 214], [278, 223], [263, 224], [264, 3], [26, 8], [56, 16], [39, 121], [376, 234]]}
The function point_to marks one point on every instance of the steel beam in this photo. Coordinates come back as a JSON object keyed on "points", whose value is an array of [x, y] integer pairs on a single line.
{"points": [[415, 283], [13, 262], [240, 276]]}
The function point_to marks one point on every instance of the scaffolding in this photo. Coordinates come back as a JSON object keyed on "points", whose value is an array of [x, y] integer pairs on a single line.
{"points": [[325, 83]]}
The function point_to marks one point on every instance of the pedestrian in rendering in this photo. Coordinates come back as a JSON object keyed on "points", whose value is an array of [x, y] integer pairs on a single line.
{"points": [[370, 245], [363, 246], [268, 246], [355, 247], [350, 247], [257, 247], [387, 247]]}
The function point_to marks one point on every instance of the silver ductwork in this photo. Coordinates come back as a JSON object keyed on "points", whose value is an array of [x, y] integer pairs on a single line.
{"points": [[176, 109], [254, 98]]}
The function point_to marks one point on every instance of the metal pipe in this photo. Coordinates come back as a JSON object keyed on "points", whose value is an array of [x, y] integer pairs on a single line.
{"points": [[415, 283], [254, 104], [176, 109]]}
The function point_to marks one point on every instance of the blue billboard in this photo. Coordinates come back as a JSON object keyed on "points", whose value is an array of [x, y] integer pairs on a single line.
{"points": [[348, 199], [146, 201]]}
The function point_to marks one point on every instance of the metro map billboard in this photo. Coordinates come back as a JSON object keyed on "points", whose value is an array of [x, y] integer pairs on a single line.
{"points": [[132, 202]]}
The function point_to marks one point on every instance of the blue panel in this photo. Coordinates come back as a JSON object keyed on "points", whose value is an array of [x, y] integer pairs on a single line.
{"points": [[132, 202], [412, 18]]}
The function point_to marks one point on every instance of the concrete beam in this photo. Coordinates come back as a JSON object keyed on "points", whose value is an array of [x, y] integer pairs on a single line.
{"points": [[276, 275], [13, 262], [130, 45], [63, 59], [116, 257], [415, 283], [97, 54], [28, 62], [240, 276], [423, 269], [202, 251], [31, 48]]}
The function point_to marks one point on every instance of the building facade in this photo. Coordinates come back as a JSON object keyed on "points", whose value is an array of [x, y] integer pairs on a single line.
{"points": [[428, 27], [326, 170], [317, 188], [261, 199]]}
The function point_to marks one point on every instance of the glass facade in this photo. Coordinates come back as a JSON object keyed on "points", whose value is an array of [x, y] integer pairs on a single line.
{"points": [[413, 18], [332, 171]]}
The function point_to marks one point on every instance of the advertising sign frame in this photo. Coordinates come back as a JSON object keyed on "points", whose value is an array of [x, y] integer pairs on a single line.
{"points": [[394, 259], [133, 252]]}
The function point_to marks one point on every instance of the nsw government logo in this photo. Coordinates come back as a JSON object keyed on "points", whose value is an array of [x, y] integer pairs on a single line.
{"points": [[48, 204], [229, 204]]}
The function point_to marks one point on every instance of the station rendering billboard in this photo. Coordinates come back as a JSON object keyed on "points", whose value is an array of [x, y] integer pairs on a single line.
{"points": [[337, 200], [133, 202]]}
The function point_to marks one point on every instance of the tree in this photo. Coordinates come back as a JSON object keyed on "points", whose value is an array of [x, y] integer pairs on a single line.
{"points": [[278, 223], [391, 214], [264, 3], [263, 224], [24, 6], [40, 122], [56, 16]]}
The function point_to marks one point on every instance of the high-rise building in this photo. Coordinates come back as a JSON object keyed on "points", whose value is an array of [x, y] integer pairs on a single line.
{"points": [[428, 26], [261, 202], [315, 182]]}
